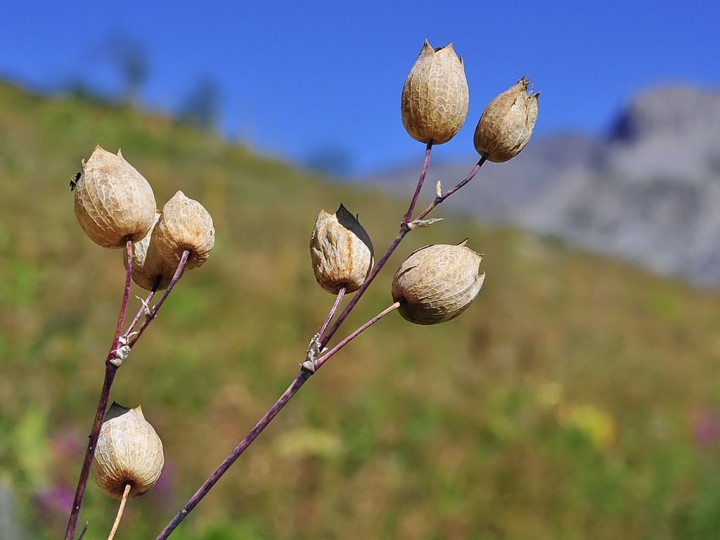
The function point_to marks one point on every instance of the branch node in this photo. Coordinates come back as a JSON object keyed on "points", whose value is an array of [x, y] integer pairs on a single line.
{"points": [[311, 355], [120, 354], [422, 223]]}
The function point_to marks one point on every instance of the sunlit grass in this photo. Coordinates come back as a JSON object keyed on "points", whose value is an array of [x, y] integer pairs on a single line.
{"points": [[578, 397]]}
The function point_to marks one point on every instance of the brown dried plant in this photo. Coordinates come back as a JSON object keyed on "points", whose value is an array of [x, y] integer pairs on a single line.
{"points": [[435, 284]]}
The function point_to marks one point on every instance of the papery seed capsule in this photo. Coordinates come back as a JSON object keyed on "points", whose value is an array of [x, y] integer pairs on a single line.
{"points": [[437, 283], [341, 251], [149, 268], [184, 225], [128, 451], [435, 97], [113, 202], [507, 123]]}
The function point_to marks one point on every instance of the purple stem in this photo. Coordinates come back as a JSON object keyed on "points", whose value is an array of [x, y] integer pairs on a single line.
{"points": [[325, 357], [300, 379], [338, 299], [421, 180], [153, 312], [143, 310], [110, 370], [460, 184], [305, 374], [404, 229]]}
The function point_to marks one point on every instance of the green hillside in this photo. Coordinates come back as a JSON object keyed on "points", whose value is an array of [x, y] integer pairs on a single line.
{"points": [[578, 397]]}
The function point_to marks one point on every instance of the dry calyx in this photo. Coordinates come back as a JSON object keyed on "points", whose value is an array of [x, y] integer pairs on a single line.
{"points": [[435, 96], [183, 224], [128, 452], [149, 269], [437, 283], [507, 123], [340, 251], [113, 201]]}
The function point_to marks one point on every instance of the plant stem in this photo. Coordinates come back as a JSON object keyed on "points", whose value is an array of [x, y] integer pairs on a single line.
{"points": [[423, 172], [144, 309], [153, 312], [439, 199], [126, 296], [110, 370], [300, 379], [331, 313], [120, 512], [325, 357], [305, 374]]}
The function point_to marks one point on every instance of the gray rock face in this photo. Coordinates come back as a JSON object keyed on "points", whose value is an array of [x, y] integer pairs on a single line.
{"points": [[649, 192]]}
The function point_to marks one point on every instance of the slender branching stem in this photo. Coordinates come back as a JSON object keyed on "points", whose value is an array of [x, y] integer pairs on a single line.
{"points": [[300, 379], [111, 367], [325, 357], [331, 313], [126, 295], [144, 310], [110, 370], [423, 172], [120, 512], [440, 198], [153, 312], [305, 374]]}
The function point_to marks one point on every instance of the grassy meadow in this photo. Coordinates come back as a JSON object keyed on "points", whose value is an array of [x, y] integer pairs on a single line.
{"points": [[578, 397]]}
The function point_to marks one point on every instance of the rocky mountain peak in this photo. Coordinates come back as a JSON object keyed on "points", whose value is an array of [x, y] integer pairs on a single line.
{"points": [[671, 111]]}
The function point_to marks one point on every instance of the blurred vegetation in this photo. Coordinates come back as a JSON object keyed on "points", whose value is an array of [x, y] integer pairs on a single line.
{"points": [[577, 398]]}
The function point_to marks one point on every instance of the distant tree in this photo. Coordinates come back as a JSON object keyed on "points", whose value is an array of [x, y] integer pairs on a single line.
{"points": [[130, 58], [79, 89], [201, 107], [331, 160]]}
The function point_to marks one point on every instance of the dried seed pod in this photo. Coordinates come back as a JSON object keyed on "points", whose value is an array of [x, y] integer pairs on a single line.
{"points": [[437, 283], [148, 266], [184, 224], [113, 202], [435, 97], [341, 251], [128, 451], [506, 124]]}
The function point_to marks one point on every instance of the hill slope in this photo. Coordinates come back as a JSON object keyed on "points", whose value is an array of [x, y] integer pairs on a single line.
{"points": [[578, 397]]}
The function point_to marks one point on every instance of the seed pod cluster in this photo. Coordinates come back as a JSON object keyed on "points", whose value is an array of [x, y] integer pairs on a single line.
{"points": [[340, 251], [437, 283], [435, 96], [184, 224], [128, 451], [149, 268], [507, 123], [113, 202]]}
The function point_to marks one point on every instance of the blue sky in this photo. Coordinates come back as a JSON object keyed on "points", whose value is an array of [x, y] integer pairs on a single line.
{"points": [[299, 77]]}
